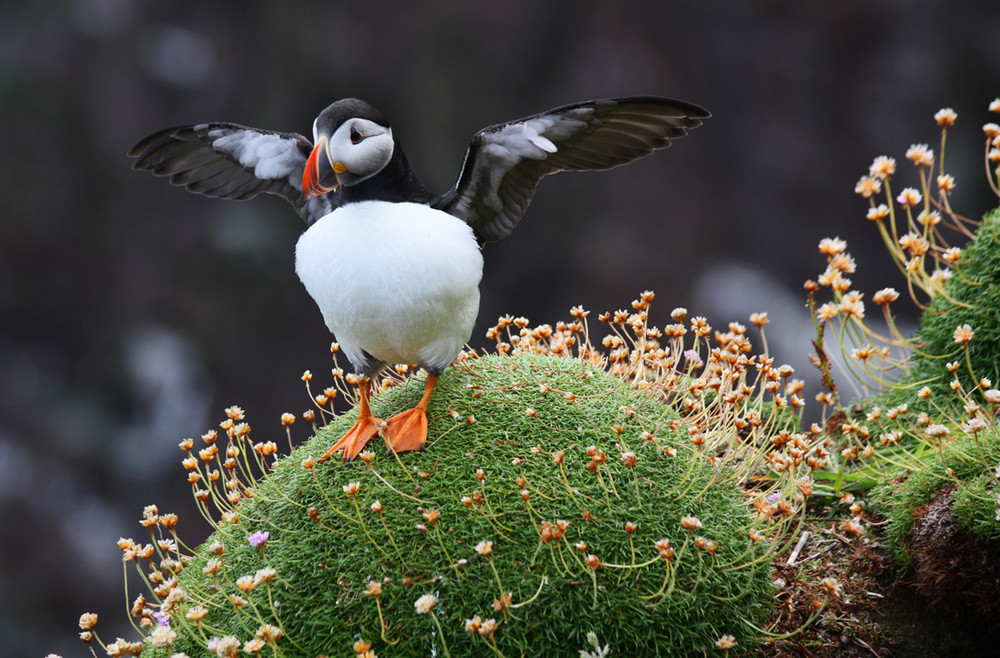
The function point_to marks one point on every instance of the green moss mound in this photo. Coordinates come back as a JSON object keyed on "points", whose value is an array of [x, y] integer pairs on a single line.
{"points": [[973, 298], [964, 470], [529, 413]]}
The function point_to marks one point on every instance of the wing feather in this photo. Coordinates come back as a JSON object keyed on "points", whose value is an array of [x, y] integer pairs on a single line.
{"points": [[230, 161], [505, 162]]}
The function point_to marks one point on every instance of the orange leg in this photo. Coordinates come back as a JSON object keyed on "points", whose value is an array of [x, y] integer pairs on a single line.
{"points": [[408, 430], [362, 432]]}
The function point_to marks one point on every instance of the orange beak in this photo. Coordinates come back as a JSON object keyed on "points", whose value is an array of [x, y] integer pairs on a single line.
{"points": [[320, 176]]}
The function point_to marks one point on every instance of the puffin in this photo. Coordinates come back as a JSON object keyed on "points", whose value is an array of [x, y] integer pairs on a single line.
{"points": [[393, 266]]}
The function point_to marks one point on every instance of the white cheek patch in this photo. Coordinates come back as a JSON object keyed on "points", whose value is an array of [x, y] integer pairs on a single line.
{"points": [[367, 157]]}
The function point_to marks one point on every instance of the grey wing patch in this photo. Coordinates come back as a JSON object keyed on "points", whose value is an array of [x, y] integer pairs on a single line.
{"points": [[505, 162], [230, 161]]}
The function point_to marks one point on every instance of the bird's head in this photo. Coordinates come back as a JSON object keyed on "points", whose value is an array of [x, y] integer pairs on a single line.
{"points": [[353, 142]]}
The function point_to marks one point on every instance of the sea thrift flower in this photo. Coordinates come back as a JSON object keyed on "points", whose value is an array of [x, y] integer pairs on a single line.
{"points": [[726, 642], [963, 334], [831, 586], [692, 357], [879, 212], [831, 246], [909, 197], [504, 602], [484, 547], [945, 116], [472, 625], [951, 255], [245, 583], [827, 311], [225, 647], [882, 167], [937, 431], [270, 632], [196, 613], [920, 155], [425, 603], [259, 538], [852, 527], [868, 186], [929, 219], [488, 627], [254, 646], [162, 637], [852, 306], [690, 523], [265, 575]]}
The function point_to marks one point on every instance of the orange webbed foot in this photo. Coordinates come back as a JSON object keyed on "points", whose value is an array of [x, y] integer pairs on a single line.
{"points": [[363, 430], [407, 430], [355, 440]]}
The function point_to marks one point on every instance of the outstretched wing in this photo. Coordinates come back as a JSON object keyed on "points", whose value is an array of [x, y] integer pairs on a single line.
{"points": [[230, 161], [505, 162]]}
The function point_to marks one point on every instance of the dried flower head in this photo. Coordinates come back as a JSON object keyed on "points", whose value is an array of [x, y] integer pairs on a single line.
{"points": [[868, 186], [831, 246], [690, 523], [882, 167], [424, 604], [963, 334], [946, 182], [88, 620], [909, 197], [945, 116], [831, 585], [920, 155], [878, 213], [162, 637], [726, 642]]}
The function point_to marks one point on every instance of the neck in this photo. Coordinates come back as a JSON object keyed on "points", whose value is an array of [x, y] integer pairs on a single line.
{"points": [[395, 183]]}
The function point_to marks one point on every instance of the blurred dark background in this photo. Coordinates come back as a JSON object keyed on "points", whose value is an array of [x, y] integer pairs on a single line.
{"points": [[132, 313]]}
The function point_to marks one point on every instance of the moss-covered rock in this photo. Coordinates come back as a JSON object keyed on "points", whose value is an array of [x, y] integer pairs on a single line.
{"points": [[966, 477], [552, 461]]}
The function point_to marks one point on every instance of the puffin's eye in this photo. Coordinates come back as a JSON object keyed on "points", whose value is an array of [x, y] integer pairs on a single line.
{"points": [[356, 136]]}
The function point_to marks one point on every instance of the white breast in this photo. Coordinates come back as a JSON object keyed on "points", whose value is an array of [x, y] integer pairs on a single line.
{"points": [[397, 280]]}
